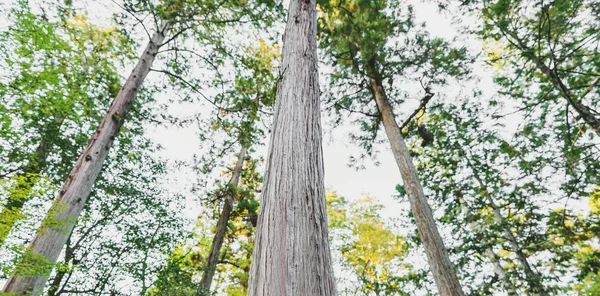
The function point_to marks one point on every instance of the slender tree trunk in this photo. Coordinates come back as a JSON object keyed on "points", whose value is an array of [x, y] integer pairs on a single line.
{"points": [[29, 176], [217, 243], [439, 262], [489, 252], [291, 253], [60, 220], [531, 276]]}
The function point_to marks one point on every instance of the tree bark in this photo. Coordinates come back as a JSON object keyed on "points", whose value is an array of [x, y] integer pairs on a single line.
{"points": [[291, 253], [217, 243], [30, 175], [60, 220], [439, 262]]}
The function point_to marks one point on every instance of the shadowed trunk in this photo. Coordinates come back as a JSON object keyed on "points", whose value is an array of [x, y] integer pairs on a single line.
{"points": [[291, 253], [221, 230], [32, 271], [437, 256]]}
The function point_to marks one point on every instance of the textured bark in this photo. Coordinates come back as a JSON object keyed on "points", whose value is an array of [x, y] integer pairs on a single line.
{"points": [[30, 175], [291, 253], [437, 256], [60, 220], [221, 230]]}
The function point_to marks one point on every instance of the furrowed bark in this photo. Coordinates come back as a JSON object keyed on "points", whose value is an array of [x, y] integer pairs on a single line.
{"points": [[221, 230], [291, 253], [60, 220], [21, 192], [437, 256]]}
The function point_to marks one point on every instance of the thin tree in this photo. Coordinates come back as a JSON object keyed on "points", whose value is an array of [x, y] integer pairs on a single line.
{"points": [[60, 220], [222, 223], [61, 95], [291, 254], [359, 38]]}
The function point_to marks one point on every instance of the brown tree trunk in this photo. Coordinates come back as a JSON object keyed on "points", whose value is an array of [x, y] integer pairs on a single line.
{"points": [[60, 220], [26, 180], [221, 230], [291, 254], [437, 256]]}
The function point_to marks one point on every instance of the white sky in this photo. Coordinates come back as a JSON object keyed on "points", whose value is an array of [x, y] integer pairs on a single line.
{"points": [[377, 181]]}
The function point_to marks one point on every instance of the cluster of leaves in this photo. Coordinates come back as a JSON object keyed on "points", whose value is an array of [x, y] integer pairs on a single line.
{"points": [[365, 40], [372, 255]]}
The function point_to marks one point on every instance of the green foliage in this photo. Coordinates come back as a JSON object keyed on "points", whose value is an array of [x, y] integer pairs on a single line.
{"points": [[366, 40], [63, 72], [370, 250]]}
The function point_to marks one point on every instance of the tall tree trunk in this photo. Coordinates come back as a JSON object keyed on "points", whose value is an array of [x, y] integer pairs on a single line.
{"points": [[489, 252], [61, 218], [531, 276], [439, 262], [20, 193], [291, 253], [217, 243]]}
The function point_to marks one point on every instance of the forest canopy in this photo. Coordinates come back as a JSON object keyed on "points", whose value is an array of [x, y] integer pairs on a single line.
{"points": [[309, 147]]}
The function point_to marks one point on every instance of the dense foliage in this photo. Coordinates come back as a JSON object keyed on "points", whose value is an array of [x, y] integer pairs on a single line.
{"points": [[502, 124]]}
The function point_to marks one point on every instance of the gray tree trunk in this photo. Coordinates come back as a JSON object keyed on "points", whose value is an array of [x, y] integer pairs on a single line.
{"points": [[437, 256], [291, 253], [489, 252], [531, 276], [32, 272], [221, 230]]}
